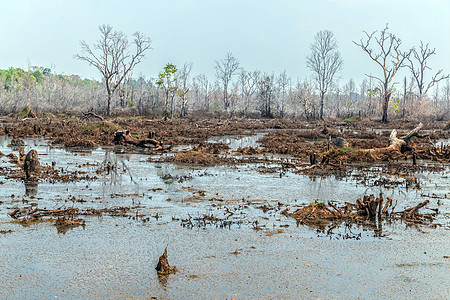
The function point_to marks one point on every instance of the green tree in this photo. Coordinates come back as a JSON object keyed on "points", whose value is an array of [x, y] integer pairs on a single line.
{"points": [[167, 83]]}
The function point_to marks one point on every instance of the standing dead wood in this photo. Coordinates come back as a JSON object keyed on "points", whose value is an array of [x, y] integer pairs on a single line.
{"points": [[31, 164], [389, 57], [163, 267], [113, 58]]}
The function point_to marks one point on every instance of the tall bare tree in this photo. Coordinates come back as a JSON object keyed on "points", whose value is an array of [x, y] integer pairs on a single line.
{"points": [[305, 95], [183, 86], [111, 56], [266, 94], [248, 83], [389, 57], [204, 89], [325, 61], [284, 85], [418, 64], [225, 69], [446, 92]]}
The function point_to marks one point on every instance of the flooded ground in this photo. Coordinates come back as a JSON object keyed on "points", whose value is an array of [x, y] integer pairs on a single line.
{"points": [[223, 228]]}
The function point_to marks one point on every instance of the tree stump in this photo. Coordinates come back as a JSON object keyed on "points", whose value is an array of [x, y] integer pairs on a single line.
{"points": [[31, 164], [163, 267], [120, 137], [340, 142]]}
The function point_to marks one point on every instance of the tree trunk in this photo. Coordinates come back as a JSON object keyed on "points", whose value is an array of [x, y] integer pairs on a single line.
{"points": [[396, 144], [108, 109], [404, 99], [384, 118], [322, 96]]}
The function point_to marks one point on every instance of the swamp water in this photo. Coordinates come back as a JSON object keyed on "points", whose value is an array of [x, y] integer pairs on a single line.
{"points": [[114, 257]]}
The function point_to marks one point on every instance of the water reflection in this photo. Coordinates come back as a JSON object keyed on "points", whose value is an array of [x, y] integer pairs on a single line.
{"points": [[31, 188]]}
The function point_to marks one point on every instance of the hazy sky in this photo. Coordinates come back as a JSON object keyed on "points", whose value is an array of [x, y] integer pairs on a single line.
{"points": [[270, 36]]}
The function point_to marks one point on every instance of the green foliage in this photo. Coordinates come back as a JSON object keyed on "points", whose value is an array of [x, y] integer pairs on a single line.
{"points": [[13, 78], [24, 112], [168, 75], [395, 105], [352, 119], [373, 92], [131, 103]]}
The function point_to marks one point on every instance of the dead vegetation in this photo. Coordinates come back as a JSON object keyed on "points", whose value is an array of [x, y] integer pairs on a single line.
{"points": [[367, 208], [65, 218]]}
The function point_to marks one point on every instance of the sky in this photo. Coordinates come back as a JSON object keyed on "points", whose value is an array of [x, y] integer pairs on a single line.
{"points": [[270, 36]]}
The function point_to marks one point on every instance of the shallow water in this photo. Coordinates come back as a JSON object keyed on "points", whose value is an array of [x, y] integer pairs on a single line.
{"points": [[114, 257]]}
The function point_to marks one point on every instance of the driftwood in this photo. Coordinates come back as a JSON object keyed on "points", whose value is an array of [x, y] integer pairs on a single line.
{"points": [[163, 267]]}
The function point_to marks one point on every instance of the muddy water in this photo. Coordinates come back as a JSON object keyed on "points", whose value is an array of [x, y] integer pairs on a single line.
{"points": [[114, 257]]}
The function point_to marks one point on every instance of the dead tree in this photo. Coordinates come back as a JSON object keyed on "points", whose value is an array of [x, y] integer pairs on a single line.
{"points": [[389, 57], [225, 69], [113, 59], [325, 61], [418, 65]]}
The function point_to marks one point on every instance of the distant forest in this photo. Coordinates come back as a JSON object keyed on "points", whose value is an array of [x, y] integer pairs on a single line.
{"points": [[232, 92]]}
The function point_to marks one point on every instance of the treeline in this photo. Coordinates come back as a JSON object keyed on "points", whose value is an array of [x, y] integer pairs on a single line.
{"points": [[250, 93]]}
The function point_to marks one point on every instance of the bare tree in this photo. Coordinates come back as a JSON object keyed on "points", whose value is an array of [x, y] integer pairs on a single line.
{"points": [[284, 85], [248, 82], [111, 56], [350, 96], [183, 86], [325, 61], [389, 57], [225, 69], [305, 95], [205, 89], [266, 93], [446, 92], [418, 65]]}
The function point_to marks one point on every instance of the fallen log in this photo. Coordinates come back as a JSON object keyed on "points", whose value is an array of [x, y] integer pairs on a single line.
{"points": [[396, 144], [91, 114]]}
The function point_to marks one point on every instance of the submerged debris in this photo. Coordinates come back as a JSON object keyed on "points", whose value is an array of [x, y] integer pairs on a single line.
{"points": [[65, 218]]}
